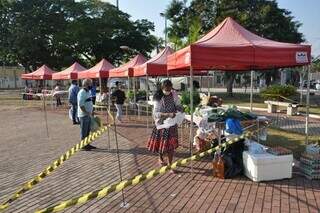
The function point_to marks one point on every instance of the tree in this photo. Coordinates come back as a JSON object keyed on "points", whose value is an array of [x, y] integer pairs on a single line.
{"points": [[262, 17], [59, 32]]}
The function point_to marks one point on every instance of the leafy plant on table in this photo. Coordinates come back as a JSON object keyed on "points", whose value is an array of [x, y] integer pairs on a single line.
{"points": [[130, 95], [185, 101]]}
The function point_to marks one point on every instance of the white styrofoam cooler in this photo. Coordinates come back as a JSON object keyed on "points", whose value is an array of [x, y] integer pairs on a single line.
{"points": [[264, 167]]}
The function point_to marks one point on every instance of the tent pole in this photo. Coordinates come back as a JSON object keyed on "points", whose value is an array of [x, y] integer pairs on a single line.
{"points": [[208, 84], [251, 90], [124, 203], [136, 108], [45, 109], [147, 98], [307, 106], [301, 84], [201, 83], [100, 85], [109, 108], [191, 109]]}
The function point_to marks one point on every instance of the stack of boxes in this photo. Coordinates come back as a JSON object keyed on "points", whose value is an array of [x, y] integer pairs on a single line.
{"points": [[310, 163]]}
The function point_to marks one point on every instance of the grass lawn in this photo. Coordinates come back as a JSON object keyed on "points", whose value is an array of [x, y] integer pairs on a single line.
{"points": [[289, 140]]}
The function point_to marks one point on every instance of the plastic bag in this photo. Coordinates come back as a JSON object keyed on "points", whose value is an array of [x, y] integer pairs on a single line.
{"points": [[95, 123], [70, 113], [255, 148], [169, 122]]}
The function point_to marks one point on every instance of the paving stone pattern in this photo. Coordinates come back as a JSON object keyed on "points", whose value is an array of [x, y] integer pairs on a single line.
{"points": [[26, 150]]}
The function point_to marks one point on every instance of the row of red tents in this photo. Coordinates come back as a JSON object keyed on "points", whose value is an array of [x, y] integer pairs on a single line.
{"points": [[228, 47]]}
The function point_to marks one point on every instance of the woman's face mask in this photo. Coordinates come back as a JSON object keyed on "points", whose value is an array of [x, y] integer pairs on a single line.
{"points": [[165, 92]]}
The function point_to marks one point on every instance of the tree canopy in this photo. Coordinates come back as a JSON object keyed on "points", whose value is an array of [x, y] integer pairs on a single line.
{"points": [[59, 32]]}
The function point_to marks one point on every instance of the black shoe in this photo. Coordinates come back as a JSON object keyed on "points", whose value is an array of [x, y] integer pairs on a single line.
{"points": [[76, 123], [89, 147]]}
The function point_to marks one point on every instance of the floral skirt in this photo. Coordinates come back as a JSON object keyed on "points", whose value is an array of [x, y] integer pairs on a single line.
{"points": [[163, 140]]}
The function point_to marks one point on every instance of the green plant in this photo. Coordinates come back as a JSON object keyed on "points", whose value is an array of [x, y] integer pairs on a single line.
{"points": [[130, 95], [278, 92], [185, 100]]}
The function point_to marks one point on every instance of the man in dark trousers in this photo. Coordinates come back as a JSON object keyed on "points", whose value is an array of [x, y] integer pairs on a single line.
{"points": [[85, 111], [119, 97]]}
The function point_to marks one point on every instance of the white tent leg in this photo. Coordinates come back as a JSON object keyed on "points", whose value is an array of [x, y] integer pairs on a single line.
{"points": [[251, 91], [307, 106]]}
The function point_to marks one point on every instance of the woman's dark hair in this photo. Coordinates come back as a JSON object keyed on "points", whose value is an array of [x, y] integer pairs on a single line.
{"points": [[159, 94], [166, 83]]}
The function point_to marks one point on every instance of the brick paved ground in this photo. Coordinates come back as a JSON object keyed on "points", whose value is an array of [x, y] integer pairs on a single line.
{"points": [[25, 151]]}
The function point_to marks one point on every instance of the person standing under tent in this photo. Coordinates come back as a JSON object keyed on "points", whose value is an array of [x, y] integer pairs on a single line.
{"points": [[93, 92], [164, 141], [57, 95], [119, 97], [85, 111], [73, 93]]}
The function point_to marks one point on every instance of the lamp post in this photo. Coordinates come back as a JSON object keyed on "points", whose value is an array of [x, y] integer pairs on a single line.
{"points": [[165, 28]]}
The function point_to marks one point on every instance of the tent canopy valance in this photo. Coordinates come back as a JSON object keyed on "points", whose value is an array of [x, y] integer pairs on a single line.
{"points": [[126, 70], [43, 73], [100, 70], [230, 46], [69, 73]]}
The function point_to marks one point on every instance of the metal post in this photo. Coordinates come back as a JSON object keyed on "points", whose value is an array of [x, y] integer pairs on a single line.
{"points": [[100, 85], [200, 83], [251, 90], [124, 203], [307, 106], [118, 4], [191, 109], [135, 106], [109, 108], [147, 98], [45, 110], [301, 85]]}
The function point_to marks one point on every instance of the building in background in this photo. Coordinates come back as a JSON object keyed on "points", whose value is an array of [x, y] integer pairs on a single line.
{"points": [[10, 77]]}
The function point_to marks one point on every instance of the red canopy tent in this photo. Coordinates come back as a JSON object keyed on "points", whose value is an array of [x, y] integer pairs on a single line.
{"points": [[100, 70], [156, 66], [126, 70], [69, 73], [229, 46], [43, 73]]}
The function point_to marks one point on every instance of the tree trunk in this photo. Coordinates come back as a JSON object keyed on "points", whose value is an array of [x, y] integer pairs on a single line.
{"points": [[230, 77]]}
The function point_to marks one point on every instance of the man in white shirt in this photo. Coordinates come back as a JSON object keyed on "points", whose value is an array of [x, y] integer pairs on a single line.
{"points": [[85, 110]]}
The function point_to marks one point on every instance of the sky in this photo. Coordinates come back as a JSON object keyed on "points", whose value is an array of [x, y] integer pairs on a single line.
{"points": [[304, 11]]}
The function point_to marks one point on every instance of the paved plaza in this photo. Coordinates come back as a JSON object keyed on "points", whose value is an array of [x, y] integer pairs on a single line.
{"points": [[26, 150]]}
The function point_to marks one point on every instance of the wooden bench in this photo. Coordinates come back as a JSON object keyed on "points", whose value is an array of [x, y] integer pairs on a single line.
{"points": [[292, 109]]}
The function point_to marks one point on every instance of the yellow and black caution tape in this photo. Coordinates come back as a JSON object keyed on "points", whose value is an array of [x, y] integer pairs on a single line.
{"points": [[100, 193], [29, 185]]}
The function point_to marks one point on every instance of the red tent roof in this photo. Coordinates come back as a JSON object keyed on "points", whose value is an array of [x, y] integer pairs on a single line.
{"points": [[127, 69], [156, 66], [69, 73], [100, 70], [43, 73], [229, 46]]}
